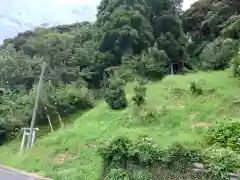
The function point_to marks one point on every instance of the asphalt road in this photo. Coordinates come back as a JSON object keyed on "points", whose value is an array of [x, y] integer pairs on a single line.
{"points": [[11, 174]]}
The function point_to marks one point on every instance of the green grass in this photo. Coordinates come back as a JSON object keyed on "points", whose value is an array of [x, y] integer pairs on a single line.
{"points": [[78, 143]]}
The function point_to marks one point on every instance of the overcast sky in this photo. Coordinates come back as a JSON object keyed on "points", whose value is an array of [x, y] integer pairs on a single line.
{"points": [[20, 15]]}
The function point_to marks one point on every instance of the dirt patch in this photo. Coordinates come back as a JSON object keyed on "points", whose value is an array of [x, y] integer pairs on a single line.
{"points": [[60, 158], [180, 105], [92, 145], [201, 124]]}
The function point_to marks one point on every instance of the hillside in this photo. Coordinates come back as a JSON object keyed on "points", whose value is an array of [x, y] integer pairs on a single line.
{"points": [[129, 39], [71, 153], [127, 36]]}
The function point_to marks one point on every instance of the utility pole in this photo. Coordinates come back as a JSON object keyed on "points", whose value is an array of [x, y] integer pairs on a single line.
{"points": [[30, 138]]}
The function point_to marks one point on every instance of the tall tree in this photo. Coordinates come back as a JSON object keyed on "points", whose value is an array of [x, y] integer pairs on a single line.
{"points": [[125, 27], [168, 30]]}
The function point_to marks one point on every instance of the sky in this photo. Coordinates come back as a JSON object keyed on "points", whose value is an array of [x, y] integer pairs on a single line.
{"points": [[20, 15]]}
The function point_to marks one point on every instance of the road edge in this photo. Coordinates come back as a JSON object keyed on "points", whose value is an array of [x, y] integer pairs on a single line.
{"points": [[34, 175]]}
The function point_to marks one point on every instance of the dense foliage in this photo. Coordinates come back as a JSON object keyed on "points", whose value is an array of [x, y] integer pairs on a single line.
{"points": [[212, 26], [225, 135], [123, 155]]}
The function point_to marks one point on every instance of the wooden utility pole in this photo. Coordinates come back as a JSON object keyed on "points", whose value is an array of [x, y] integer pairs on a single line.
{"points": [[30, 139], [60, 119], [49, 119]]}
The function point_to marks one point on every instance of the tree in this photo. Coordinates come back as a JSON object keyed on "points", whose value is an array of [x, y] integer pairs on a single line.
{"points": [[218, 54], [208, 20], [231, 28], [168, 31], [125, 27], [17, 69]]}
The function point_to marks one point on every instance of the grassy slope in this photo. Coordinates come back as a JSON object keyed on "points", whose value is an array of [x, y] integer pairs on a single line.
{"points": [[78, 143]]}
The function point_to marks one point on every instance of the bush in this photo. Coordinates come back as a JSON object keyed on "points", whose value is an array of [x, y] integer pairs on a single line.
{"points": [[116, 151], [140, 94], [221, 161], [116, 99], [224, 135], [70, 98], [115, 96], [144, 153], [117, 174], [148, 115], [195, 89]]}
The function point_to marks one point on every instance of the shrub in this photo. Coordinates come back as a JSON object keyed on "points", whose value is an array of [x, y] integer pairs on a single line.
{"points": [[140, 94], [70, 98], [144, 153], [115, 96], [149, 115], [116, 151], [224, 135], [117, 174], [221, 161], [195, 89], [116, 99]]}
